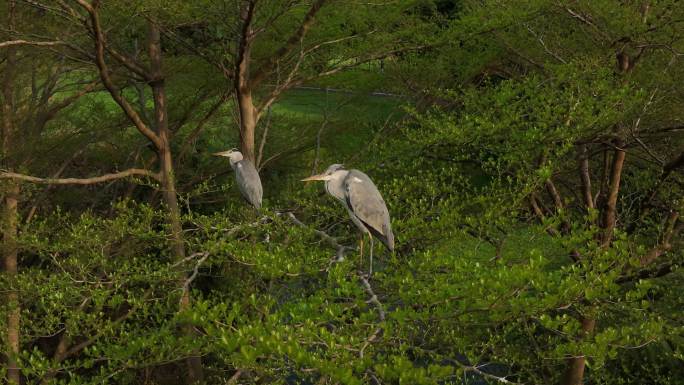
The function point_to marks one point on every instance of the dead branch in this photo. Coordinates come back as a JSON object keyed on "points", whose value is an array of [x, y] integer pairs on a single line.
{"points": [[11, 43], [378, 305], [341, 249], [195, 272], [476, 369], [81, 181]]}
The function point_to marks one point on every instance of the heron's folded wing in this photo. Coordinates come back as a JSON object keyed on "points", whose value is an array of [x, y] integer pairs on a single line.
{"points": [[249, 182], [366, 202]]}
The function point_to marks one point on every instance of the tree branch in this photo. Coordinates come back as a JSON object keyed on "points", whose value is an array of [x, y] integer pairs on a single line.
{"points": [[81, 181], [534, 203], [476, 369], [585, 177], [610, 213], [378, 305], [185, 147], [195, 271], [665, 243], [54, 109], [341, 249], [290, 45], [264, 136], [107, 80], [11, 43]]}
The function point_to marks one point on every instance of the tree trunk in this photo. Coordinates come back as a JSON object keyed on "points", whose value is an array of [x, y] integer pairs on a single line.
{"points": [[585, 177], [574, 373], [195, 373], [243, 88], [610, 211], [11, 269], [10, 212], [248, 124]]}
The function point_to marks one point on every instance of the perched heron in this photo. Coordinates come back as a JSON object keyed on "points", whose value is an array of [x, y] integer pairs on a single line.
{"points": [[246, 175], [357, 192]]}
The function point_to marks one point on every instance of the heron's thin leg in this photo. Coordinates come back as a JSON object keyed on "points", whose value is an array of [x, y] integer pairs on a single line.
{"points": [[361, 250], [370, 269]]}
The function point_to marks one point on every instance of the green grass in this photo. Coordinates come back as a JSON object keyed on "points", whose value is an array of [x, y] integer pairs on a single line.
{"points": [[352, 119], [312, 105]]}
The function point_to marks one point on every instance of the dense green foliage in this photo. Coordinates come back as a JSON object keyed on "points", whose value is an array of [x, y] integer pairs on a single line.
{"points": [[493, 116]]}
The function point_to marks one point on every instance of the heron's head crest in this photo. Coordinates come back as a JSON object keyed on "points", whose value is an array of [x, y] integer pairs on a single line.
{"points": [[333, 167]]}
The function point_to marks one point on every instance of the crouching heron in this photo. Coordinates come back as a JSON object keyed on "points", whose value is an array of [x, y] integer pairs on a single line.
{"points": [[246, 176], [357, 192]]}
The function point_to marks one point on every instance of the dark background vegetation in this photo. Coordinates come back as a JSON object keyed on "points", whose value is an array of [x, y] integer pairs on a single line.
{"points": [[530, 153]]}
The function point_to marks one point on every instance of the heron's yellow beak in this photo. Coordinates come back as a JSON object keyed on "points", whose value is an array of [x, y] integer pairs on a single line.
{"points": [[222, 153], [314, 177]]}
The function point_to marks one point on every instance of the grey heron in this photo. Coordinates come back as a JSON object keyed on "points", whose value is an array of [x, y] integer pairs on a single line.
{"points": [[357, 192], [246, 175]]}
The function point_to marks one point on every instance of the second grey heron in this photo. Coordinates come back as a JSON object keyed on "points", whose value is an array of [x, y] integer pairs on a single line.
{"points": [[357, 192], [246, 175]]}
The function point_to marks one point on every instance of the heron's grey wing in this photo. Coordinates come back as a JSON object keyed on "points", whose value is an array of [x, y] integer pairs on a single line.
{"points": [[367, 204], [249, 182]]}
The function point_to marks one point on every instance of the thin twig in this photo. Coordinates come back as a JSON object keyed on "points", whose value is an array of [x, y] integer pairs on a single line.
{"points": [[195, 272], [476, 369]]}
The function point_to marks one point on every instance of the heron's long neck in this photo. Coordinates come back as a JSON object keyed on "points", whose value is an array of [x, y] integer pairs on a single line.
{"points": [[335, 186]]}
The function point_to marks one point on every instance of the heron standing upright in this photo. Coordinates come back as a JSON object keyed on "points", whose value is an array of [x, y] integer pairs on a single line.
{"points": [[246, 175], [357, 192]]}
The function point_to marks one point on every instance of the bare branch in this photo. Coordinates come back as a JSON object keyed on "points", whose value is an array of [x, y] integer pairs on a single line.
{"points": [[11, 43], [107, 80], [378, 305], [540, 37], [185, 147], [54, 109], [341, 249], [291, 43], [81, 181], [534, 203], [585, 19], [279, 89], [129, 63], [236, 376], [84, 344], [195, 271], [476, 369], [264, 135], [356, 61], [665, 243], [56, 174]]}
